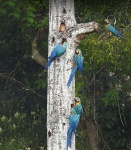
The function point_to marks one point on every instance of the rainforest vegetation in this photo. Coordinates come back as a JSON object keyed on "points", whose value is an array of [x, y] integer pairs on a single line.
{"points": [[104, 87]]}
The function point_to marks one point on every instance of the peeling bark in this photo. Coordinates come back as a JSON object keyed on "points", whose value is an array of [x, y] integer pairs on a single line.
{"points": [[59, 96]]}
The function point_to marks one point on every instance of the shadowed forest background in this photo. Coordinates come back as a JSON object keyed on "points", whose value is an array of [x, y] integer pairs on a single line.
{"points": [[104, 88]]}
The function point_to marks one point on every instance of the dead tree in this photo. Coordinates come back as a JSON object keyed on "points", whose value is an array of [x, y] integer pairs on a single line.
{"points": [[62, 25]]}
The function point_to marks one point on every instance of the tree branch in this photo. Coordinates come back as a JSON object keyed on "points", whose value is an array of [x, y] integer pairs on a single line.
{"points": [[35, 54], [26, 87], [83, 28]]}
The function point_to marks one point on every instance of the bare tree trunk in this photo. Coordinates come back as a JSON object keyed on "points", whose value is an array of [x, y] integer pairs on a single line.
{"points": [[59, 96]]}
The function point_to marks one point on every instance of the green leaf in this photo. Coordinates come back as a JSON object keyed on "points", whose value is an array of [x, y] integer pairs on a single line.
{"points": [[3, 11], [3, 118], [111, 97], [10, 3]]}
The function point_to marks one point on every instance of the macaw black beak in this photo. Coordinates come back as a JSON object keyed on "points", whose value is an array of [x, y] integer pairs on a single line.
{"points": [[77, 52], [106, 21], [75, 100]]}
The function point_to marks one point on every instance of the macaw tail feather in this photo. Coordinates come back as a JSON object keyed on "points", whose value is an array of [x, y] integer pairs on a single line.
{"points": [[119, 35], [72, 75], [48, 63], [69, 136]]}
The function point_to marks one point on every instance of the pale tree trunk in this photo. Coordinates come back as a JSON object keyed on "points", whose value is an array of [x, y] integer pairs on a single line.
{"points": [[59, 96]]}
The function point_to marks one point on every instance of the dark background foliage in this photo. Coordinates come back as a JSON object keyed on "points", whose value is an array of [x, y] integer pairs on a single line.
{"points": [[105, 90]]}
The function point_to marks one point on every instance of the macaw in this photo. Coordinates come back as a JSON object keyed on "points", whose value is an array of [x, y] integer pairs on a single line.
{"points": [[78, 107], [111, 30], [73, 123], [78, 59], [56, 52]]}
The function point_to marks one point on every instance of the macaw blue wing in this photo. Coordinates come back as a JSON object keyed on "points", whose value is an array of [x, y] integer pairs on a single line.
{"points": [[73, 122], [72, 75], [79, 109], [69, 135], [56, 52], [80, 64], [78, 59], [114, 31], [52, 56], [61, 49]]}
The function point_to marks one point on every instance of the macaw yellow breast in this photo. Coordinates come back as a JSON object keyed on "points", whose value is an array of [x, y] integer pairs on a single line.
{"points": [[109, 33], [77, 103], [107, 27]]}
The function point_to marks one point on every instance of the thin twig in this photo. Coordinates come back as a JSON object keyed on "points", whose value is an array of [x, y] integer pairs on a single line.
{"points": [[103, 139], [119, 111], [13, 79], [95, 75], [16, 65], [97, 127], [14, 70]]}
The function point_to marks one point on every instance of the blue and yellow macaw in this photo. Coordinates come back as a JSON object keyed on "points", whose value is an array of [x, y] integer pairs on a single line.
{"points": [[111, 30], [56, 52], [73, 123], [78, 59], [78, 107]]}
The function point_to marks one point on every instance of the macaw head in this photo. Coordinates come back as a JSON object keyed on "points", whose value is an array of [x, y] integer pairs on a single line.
{"points": [[78, 51], [73, 111], [106, 21], [77, 100]]}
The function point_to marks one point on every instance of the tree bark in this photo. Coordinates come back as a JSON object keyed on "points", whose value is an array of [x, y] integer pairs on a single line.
{"points": [[62, 24]]}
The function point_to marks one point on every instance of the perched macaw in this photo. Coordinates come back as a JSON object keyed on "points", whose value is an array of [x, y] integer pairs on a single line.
{"points": [[78, 59], [111, 30], [73, 123], [78, 107], [57, 52]]}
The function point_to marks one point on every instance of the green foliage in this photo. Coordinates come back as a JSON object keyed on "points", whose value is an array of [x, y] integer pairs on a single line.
{"points": [[84, 140], [23, 90], [107, 65], [106, 84], [111, 97], [28, 13]]}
